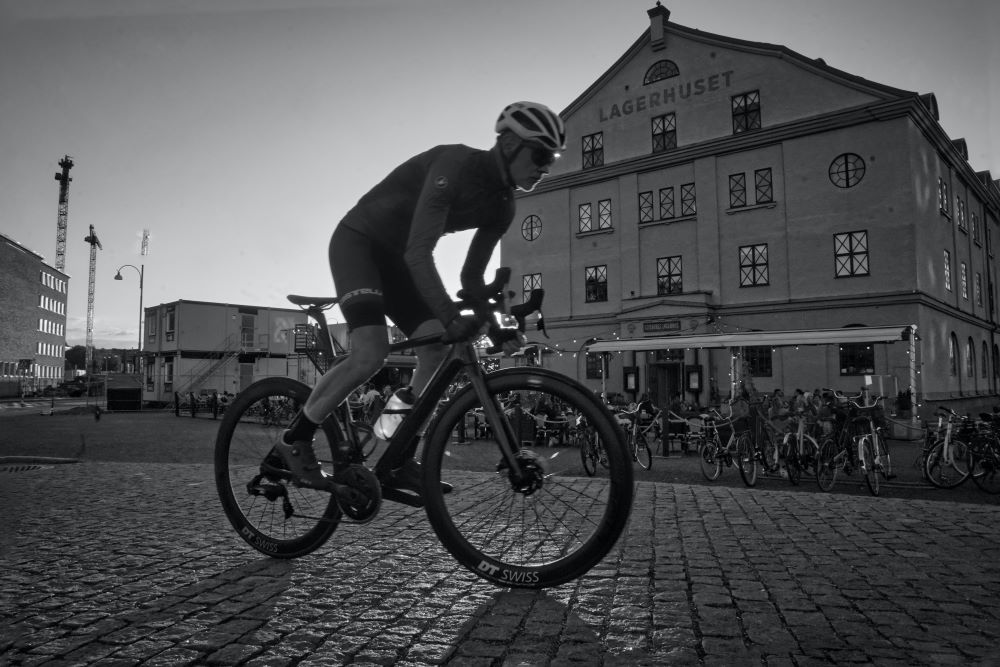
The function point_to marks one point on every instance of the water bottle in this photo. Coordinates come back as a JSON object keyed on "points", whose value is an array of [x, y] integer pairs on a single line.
{"points": [[398, 406]]}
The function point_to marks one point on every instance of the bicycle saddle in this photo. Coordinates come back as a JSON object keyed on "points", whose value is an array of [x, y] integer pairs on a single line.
{"points": [[318, 301]]}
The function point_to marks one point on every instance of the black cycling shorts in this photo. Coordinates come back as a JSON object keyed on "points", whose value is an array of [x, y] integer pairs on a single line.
{"points": [[374, 284]]}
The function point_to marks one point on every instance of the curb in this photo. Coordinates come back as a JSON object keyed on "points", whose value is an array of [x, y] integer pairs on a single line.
{"points": [[6, 460]]}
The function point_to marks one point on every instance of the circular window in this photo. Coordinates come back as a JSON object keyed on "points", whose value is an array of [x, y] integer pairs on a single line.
{"points": [[847, 170], [531, 228]]}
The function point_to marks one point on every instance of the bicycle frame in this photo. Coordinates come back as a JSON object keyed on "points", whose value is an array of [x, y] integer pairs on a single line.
{"points": [[463, 356]]}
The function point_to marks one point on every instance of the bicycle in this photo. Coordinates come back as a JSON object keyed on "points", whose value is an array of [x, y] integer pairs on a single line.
{"points": [[947, 463], [844, 449], [757, 447], [591, 450], [516, 516], [984, 466], [712, 455], [799, 448], [642, 436], [873, 452]]}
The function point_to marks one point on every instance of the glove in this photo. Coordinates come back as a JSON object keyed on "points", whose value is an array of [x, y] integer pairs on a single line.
{"points": [[512, 345], [463, 327]]}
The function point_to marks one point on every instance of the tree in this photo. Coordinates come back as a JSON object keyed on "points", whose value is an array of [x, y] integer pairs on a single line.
{"points": [[76, 357]]}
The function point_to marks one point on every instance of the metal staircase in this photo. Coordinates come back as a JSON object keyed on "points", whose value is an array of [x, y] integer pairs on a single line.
{"points": [[226, 352]]}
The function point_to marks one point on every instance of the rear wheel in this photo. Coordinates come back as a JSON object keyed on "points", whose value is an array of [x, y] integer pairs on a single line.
{"points": [[271, 514], [589, 453], [985, 469], [545, 527], [641, 451]]}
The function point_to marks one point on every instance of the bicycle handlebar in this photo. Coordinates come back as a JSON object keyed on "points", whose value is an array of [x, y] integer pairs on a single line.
{"points": [[493, 298]]}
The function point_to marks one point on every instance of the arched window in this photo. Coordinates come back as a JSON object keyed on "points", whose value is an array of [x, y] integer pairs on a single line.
{"points": [[984, 363], [660, 70], [970, 358], [953, 355]]}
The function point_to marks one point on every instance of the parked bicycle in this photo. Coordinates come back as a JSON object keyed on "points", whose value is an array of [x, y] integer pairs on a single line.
{"points": [[757, 447], [643, 434], [984, 466], [799, 449], [856, 442], [517, 516], [947, 461], [712, 454]]}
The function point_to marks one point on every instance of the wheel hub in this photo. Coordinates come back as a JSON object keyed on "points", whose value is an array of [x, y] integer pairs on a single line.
{"points": [[532, 476]]}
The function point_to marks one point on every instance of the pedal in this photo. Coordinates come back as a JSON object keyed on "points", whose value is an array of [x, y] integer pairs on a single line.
{"points": [[358, 493]]}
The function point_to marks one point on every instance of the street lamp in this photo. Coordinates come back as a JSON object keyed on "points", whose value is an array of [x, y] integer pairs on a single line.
{"points": [[141, 270]]}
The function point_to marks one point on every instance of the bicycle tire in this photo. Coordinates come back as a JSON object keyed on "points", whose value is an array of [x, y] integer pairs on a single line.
{"points": [[985, 469], [746, 459], [883, 462], [827, 466], [944, 474], [641, 452], [549, 530], [709, 459], [793, 464], [868, 465], [256, 505]]}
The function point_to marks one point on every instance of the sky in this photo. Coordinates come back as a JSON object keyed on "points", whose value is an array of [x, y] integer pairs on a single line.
{"points": [[238, 132]]}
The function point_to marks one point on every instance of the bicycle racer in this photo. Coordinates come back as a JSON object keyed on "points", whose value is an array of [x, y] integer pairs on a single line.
{"points": [[381, 258]]}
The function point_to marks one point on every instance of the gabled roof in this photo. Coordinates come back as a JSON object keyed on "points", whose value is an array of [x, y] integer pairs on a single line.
{"points": [[817, 65]]}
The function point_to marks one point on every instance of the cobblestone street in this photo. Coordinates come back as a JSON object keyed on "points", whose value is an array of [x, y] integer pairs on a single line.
{"points": [[127, 563]]}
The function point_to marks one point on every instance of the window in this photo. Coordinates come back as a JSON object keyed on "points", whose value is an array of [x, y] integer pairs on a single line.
{"points": [[977, 235], [688, 204], [984, 361], [970, 359], [851, 254], [753, 265], [169, 327], [596, 283], [530, 281], [737, 190], [947, 270], [979, 289], [847, 170], [585, 217], [151, 326], [664, 132], [531, 227], [668, 275], [953, 355], [758, 361], [666, 203], [604, 214], [646, 206], [764, 185], [660, 70], [943, 201], [595, 366], [963, 280], [960, 214], [746, 112], [857, 359], [593, 150]]}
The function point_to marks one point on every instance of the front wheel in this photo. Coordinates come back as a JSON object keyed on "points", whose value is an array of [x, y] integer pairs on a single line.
{"points": [[829, 462], [746, 457], [546, 526], [710, 459], [868, 465], [947, 467], [641, 452], [270, 513]]}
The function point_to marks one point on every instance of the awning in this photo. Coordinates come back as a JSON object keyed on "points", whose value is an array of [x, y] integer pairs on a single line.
{"points": [[883, 334]]}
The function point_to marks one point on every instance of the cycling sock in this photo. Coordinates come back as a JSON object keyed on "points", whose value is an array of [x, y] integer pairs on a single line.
{"points": [[301, 429]]}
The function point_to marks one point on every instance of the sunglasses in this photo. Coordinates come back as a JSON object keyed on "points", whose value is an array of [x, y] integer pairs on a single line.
{"points": [[543, 157]]}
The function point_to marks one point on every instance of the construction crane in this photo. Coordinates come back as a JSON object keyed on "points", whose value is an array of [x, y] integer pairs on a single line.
{"points": [[94, 245], [66, 163]]}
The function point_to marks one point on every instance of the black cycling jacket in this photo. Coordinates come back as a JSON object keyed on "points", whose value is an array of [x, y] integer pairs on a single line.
{"points": [[446, 189]]}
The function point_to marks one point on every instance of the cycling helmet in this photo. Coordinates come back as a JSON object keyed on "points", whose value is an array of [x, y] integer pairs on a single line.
{"points": [[534, 122]]}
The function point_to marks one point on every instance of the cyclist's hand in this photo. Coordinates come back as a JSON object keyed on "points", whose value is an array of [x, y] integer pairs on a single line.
{"points": [[463, 327], [514, 344]]}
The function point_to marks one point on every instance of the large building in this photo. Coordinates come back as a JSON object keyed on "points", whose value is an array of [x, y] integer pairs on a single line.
{"points": [[716, 191], [33, 325]]}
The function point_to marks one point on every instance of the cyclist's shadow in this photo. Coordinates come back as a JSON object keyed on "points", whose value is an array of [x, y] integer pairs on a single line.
{"points": [[525, 626]]}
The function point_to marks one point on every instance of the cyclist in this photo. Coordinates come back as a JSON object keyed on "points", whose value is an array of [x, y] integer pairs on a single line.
{"points": [[381, 256]]}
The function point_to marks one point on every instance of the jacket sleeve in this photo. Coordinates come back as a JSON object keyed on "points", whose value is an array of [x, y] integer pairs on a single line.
{"points": [[427, 227]]}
